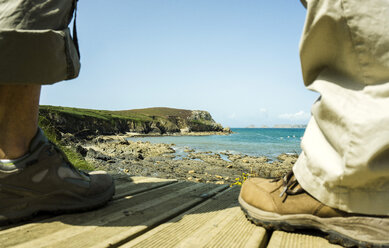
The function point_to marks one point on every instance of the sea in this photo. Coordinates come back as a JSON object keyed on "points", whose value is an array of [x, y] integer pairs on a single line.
{"points": [[269, 142]]}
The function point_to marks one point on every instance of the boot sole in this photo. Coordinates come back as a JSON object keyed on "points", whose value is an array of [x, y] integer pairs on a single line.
{"points": [[27, 210], [347, 231]]}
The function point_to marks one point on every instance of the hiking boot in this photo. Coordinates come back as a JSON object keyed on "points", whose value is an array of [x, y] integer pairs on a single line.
{"points": [[283, 204], [44, 180]]}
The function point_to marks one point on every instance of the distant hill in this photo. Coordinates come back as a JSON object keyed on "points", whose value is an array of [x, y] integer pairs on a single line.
{"points": [[86, 122], [280, 126], [158, 111], [290, 126]]}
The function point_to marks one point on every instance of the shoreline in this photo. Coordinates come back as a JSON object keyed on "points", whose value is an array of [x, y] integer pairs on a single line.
{"points": [[116, 154], [144, 135]]}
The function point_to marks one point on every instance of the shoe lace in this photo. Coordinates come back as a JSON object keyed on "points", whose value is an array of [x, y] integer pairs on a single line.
{"points": [[289, 184]]}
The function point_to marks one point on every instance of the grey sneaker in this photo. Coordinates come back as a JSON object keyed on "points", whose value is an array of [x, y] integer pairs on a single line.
{"points": [[44, 180]]}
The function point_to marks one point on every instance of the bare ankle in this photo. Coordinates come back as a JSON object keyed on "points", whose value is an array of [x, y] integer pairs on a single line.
{"points": [[13, 151], [19, 107]]}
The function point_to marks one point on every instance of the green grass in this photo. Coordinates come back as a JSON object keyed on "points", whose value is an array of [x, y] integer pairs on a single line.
{"points": [[198, 122], [74, 157], [136, 115], [160, 112], [99, 114]]}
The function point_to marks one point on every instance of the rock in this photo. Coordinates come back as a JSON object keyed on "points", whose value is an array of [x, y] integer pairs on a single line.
{"points": [[67, 138], [219, 182], [234, 157], [227, 130], [124, 142], [284, 156], [229, 166], [185, 130], [81, 150], [103, 157], [191, 171], [218, 177], [170, 150], [97, 155], [91, 153]]}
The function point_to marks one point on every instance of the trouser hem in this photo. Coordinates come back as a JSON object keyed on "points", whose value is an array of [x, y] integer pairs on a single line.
{"points": [[37, 56], [350, 200]]}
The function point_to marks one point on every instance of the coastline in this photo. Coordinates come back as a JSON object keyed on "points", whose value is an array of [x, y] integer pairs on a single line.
{"points": [[116, 154], [100, 139], [178, 134]]}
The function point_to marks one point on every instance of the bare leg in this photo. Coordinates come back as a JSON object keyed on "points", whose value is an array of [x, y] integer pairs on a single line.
{"points": [[19, 106]]}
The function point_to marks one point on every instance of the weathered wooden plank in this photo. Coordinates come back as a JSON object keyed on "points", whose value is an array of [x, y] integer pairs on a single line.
{"points": [[119, 221], [218, 222], [134, 185], [124, 186], [295, 240]]}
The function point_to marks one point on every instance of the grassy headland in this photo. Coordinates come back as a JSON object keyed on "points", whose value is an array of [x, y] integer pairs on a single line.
{"points": [[90, 140], [84, 124]]}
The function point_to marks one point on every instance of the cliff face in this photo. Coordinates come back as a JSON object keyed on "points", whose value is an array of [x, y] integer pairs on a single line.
{"points": [[84, 122]]}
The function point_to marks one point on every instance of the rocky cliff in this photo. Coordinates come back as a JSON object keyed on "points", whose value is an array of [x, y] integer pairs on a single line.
{"points": [[87, 122]]}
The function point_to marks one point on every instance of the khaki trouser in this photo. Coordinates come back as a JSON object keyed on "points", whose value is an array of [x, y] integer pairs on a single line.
{"points": [[345, 57], [35, 43]]}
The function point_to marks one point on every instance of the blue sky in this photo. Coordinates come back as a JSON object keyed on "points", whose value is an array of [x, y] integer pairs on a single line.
{"points": [[237, 59]]}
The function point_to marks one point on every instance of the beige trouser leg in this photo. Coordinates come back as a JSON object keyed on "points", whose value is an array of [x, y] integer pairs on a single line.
{"points": [[36, 46], [345, 57]]}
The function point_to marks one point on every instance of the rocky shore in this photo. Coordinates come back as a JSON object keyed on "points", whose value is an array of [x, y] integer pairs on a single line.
{"points": [[116, 154], [100, 137]]}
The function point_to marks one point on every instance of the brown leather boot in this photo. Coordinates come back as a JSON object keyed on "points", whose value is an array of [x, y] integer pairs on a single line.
{"points": [[283, 204]]}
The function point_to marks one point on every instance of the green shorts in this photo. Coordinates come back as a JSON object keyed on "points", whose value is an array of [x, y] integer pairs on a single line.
{"points": [[36, 46]]}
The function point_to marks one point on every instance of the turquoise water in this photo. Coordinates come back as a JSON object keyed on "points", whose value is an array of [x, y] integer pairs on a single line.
{"points": [[269, 142]]}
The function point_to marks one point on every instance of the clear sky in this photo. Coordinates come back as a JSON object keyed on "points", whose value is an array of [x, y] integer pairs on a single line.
{"points": [[237, 59]]}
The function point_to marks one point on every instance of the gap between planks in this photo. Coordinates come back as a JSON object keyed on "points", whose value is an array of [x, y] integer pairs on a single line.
{"points": [[121, 220], [217, 222]]}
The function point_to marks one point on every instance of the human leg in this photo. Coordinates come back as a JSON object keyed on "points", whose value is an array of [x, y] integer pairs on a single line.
{"points": [[44, 180], [282, 204], [35, 175], [19, 106], [341, 182], [345, 57]]}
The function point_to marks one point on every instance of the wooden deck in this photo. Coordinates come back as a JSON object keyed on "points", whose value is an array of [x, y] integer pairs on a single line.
{"points": [[152, 212]]}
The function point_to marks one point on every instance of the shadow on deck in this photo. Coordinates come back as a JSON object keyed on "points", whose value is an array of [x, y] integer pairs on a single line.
{"points": [[153, 212]]}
